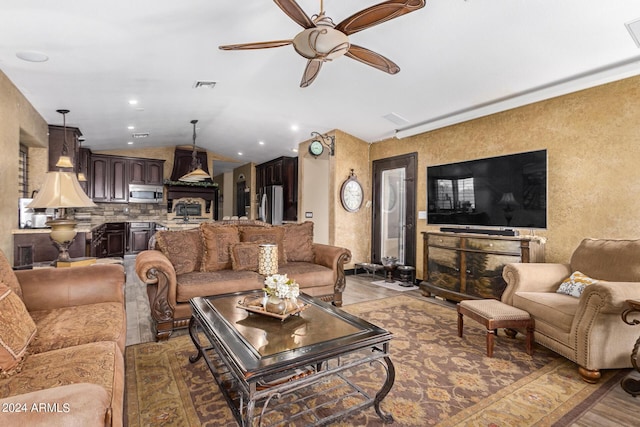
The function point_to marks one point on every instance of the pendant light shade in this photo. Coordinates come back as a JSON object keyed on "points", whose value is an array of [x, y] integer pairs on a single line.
{"points": [[64, 161], [196, 174]]}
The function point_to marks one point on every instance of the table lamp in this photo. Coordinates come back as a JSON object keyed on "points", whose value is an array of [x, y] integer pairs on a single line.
{"points": [[61, 190]]}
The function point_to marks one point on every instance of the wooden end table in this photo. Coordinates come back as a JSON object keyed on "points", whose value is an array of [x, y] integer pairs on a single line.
{"points": [[630, 385]]}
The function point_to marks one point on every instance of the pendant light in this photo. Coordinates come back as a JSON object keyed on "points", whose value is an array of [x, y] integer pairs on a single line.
{"points": [[196, 174], [81, 176], [64, 161]]}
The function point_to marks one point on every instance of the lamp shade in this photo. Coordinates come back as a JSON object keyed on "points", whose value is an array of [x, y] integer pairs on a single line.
{"points": [[61, 190], [508, 200], [196, 175]]}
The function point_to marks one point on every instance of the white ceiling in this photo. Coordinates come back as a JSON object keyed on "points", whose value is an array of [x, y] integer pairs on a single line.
{"points": [[458, 59]]}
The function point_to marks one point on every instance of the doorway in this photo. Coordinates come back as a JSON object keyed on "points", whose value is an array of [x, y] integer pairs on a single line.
{"points": [[394, 209]]}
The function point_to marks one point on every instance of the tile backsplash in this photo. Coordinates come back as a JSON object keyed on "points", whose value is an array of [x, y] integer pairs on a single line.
{"points": [[123, 212]]}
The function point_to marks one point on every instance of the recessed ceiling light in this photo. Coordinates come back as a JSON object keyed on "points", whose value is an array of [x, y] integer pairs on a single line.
{"points": [[295, 150], [239, 154], [133, 102], [130, 142], [261, 142], [294, 127], [131, 127], [32, 56]]}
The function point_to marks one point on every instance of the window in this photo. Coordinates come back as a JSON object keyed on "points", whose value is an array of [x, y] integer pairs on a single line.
{"points": [[23, 165], [455, 194]]}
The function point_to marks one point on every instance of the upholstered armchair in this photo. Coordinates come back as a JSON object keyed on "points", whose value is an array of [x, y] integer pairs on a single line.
{"points": [[585, 327]]}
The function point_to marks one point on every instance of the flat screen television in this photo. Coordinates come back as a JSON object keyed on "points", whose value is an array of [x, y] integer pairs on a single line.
{"points": [[502, 192]]}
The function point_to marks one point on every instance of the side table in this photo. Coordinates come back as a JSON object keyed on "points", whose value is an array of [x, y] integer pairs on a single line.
{"points": [[368, 267], [630, 385]]}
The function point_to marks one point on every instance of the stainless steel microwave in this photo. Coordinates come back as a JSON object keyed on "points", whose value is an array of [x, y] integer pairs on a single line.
{"points": [[139, 193]]}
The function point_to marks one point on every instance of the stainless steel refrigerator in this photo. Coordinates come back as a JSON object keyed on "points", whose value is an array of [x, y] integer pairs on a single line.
{"points": [[272, 204]]}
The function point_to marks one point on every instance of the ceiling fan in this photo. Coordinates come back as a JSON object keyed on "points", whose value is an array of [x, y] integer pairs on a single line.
{"points": [[322, 40]]}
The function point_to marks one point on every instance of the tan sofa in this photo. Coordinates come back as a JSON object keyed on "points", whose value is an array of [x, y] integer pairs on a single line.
{"points": [[221, 257], [63, 334], [587, 329]]}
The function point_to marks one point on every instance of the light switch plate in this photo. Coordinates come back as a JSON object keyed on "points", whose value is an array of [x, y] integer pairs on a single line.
{"points": [[308, 214]]}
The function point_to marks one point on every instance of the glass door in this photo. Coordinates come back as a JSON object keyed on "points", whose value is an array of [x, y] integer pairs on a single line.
{"points": [[393, 204], [394, 196]]}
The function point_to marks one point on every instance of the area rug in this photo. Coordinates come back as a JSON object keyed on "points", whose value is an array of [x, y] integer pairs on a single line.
{"points": [[440, 379], [396, 286]]}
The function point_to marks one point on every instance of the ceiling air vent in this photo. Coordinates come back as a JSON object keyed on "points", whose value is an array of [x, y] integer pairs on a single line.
{"points": [[140, 135], [204, 84]]}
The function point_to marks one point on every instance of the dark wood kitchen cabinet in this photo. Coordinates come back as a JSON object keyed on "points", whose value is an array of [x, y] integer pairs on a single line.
{"points": [[109, 180], [139, 234], [281, 171], [115, 236], [111, 175], [29, 248], [108, 240], [146, 171]]}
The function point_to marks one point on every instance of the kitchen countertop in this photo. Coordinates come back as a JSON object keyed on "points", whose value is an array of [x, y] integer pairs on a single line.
{"points": [[86, 227]]}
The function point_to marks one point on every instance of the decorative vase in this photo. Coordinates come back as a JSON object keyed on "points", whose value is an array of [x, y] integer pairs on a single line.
{"points": [[276, 305]]}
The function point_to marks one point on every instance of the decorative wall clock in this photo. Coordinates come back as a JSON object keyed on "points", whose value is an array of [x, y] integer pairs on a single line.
{"points": [[351, 193]]}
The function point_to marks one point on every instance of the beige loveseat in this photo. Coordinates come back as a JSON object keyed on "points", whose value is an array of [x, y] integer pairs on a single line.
{"points": [[222, 257], [587, 329], [62, 337]]}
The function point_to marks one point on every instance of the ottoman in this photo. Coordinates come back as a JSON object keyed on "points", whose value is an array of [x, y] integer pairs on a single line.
{"points": [[494, 314]]}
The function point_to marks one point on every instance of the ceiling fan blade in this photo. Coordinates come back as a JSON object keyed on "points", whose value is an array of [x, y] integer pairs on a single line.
{"points": [[295, 12], [310, 72], [378, 14], [257, 45], [373, 59]]}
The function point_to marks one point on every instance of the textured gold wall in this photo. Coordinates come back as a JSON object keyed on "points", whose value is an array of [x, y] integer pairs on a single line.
{"points": [[19, 122], [351, 230], [593, 142]]}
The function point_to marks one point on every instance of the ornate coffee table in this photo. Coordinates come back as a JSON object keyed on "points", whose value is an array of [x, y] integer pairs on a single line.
{"points": [[301, 368]]}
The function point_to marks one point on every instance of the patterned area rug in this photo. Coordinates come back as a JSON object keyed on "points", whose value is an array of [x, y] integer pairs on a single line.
{"points": [[440, 379]]}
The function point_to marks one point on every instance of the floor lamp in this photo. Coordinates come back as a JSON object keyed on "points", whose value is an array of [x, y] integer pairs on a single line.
{"points": [[61, 190]]}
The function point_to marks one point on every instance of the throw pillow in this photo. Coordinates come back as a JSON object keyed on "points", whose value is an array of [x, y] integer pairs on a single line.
{"points": [[273, 235], [217, 242], [8, 277], [244, 256], [17, 329], [182, 248], [298, 242], [574, 285]]}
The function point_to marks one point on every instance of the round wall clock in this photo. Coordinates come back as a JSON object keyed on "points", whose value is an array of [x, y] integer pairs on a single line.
{"points": [[351, 194], [316, 148]]}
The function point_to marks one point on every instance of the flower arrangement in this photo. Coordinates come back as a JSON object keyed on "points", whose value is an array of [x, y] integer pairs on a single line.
{"points": [[280, 286]]}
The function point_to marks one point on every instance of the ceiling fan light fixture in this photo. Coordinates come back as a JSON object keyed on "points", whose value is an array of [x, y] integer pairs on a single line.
{"points": [[322, 43]]}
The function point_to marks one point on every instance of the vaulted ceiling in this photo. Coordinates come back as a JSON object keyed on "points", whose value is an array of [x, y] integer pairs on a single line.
{"points": [[459, 59]]}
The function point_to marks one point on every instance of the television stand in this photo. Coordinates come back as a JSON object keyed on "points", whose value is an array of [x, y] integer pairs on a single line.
{"points": [[489, 231], [461, 266]]}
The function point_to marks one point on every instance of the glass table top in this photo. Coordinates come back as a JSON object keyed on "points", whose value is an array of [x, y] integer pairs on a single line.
{"points": [[256, 341]]}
